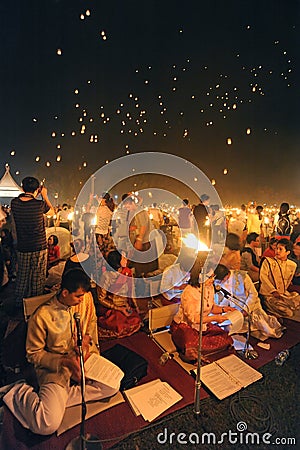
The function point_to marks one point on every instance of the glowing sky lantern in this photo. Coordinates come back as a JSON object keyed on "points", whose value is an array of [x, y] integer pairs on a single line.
{"points": [[59, 51], [53, 134], [48, 163], [225, 171], [58, 158], [84, 164], [248, 131], [213, 181], [229, 141], [88, 12], [82, 16], [12, 153], [37, 158]]}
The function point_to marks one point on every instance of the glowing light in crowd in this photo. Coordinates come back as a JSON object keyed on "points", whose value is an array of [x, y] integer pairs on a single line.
{"points": [[191, 241]]}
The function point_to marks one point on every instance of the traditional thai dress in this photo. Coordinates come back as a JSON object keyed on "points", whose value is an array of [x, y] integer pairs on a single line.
{"points": [[186, 323], [114, 293]]}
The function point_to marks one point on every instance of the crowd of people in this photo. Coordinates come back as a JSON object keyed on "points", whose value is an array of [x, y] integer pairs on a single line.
{"points": [[121, 243]]}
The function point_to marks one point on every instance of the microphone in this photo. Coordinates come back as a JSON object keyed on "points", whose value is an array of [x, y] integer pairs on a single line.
{"points": [[79, 335], [226, 293]]}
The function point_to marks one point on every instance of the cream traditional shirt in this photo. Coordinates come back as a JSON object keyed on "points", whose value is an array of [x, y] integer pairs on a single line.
{"points": [[52, 334], [276, 275]]}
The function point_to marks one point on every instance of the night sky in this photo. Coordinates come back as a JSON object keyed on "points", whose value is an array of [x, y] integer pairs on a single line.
{"points": [[215, 82]]}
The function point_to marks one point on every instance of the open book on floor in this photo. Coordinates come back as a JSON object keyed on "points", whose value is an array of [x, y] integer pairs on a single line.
{"points": [[227, 376]]}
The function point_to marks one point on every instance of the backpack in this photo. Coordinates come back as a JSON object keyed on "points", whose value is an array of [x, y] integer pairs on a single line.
{"points": [[283, 226]]}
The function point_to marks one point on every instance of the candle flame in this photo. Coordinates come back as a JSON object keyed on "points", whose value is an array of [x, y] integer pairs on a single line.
{"points": [[191, 241]]}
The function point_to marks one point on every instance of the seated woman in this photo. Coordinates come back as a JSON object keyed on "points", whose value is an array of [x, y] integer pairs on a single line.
{"points": [[117, 313], [79, 258], [270, 250], [237, 284], [53, 251], [185, 326]]}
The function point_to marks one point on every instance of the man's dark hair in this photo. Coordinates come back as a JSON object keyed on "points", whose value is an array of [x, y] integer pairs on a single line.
{"points": [[30, 184], [185, 201], [251, 237], [232, 241], [74, 279], [221, 272], [286, 243], [284, 208]]}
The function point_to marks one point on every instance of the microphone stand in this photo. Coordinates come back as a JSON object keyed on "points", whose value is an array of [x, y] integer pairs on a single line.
{"points": [[81, 442], [246, 352], [201, 260]]}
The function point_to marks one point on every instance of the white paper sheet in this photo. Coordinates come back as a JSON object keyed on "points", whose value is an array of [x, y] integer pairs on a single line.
{"points": [[235, 320], [101, 369], [154, 400]]}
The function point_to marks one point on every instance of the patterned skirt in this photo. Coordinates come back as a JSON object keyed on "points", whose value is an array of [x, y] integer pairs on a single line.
{"points": [[186, 339], [114, 324]]}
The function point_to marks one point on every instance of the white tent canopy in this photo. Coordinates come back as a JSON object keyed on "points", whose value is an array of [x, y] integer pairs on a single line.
{"points": [[8, 187]]}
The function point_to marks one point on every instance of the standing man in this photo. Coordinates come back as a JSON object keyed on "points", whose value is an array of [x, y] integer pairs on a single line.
{"points": [[28, 217], [201, 214], [51, 347], [185, 217], [139, 233]]}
